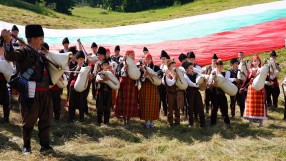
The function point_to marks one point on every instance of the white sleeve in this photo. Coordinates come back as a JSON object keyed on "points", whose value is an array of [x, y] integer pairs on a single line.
{"points": [[170, 82], [198, 67], [227, 77], [98, 78], [123, 72], [190, 83]]}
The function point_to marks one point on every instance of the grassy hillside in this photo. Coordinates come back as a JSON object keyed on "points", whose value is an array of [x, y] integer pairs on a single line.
{"points": [[16, 11], [87, 141]]}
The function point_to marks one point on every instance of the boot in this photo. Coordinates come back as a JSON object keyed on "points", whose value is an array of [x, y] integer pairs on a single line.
{"points": [[27, 134], [6, 111]]}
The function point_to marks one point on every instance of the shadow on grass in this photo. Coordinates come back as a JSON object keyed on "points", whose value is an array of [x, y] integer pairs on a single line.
{"points": [[68, 156], [7, 144]]}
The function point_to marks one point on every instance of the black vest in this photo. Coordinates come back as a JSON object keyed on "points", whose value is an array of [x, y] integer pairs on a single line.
{"points": [[192, 77]]}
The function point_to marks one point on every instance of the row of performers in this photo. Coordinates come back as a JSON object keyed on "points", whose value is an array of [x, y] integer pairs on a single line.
{"points": [[33, 79], [170, 96]]}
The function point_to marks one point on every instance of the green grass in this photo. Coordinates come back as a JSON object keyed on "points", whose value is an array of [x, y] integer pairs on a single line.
{"points": [[87, 141], [16, 11]]}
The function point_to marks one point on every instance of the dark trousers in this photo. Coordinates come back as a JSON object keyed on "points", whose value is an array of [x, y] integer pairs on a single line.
{"points": [[173, 108], [207, 99], [56, 98], [103, 105], [219, 100], [274, 92], [239, 98], [76, 100], [163, 100], [195, 101], [38, 108], [6, 112]]}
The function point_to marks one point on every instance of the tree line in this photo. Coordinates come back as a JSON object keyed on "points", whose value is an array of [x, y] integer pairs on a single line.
{"points": [[66, 6]]}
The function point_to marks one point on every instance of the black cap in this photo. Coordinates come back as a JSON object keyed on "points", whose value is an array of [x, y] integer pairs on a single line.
{"points": [[182, 56], [34, 31], [273, 54], [233, 60], [79, 54], [145, 49], [93, 45], [101, 50], [117, 48], [164, 54], [65, 41], [46, 46], [72, 49], [191, 55], [105, 61], [15, 28], [214, 57], [186, 64]]}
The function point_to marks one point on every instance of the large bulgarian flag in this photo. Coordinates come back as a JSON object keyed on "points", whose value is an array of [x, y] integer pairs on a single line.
{"points": [[251, 29]]}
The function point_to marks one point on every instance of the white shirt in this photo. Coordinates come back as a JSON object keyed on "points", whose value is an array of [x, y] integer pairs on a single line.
{"points": [[170, 82], [227, 77]]}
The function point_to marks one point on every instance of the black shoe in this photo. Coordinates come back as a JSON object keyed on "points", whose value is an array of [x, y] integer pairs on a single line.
{"points": [[71, 120], [26, 150], [46, 149]]}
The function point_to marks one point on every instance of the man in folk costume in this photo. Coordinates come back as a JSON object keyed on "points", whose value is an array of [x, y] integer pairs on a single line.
{"points": [[271, 83], [34, 78], [15, 32], [193, 95], [71, 66], [65, 44], [207, 70], [255, 100], [231, 76], [117, 57], [104, 95], [55, 91], [218, 97], [4, 94], [162, 88], [183, 58], [94, 49], [192, 58], [113, 68], [77, 99], [171, 89], [148, 93], [127, 100]]}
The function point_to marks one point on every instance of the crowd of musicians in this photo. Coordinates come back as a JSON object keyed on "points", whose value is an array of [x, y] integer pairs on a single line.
{"points": [[40, 99]]}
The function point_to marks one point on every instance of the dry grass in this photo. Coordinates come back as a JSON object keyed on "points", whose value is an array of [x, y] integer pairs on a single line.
{"points": [[87, 141]]}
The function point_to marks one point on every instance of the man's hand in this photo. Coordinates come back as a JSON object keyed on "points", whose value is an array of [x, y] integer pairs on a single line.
{"points": [[6, 34]]}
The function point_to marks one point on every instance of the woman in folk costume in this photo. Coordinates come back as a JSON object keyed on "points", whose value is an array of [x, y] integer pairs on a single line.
{"points": [[255, 100], [4, 95], [193, 95], [127, 100], [148, 94], [104, 95]]}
